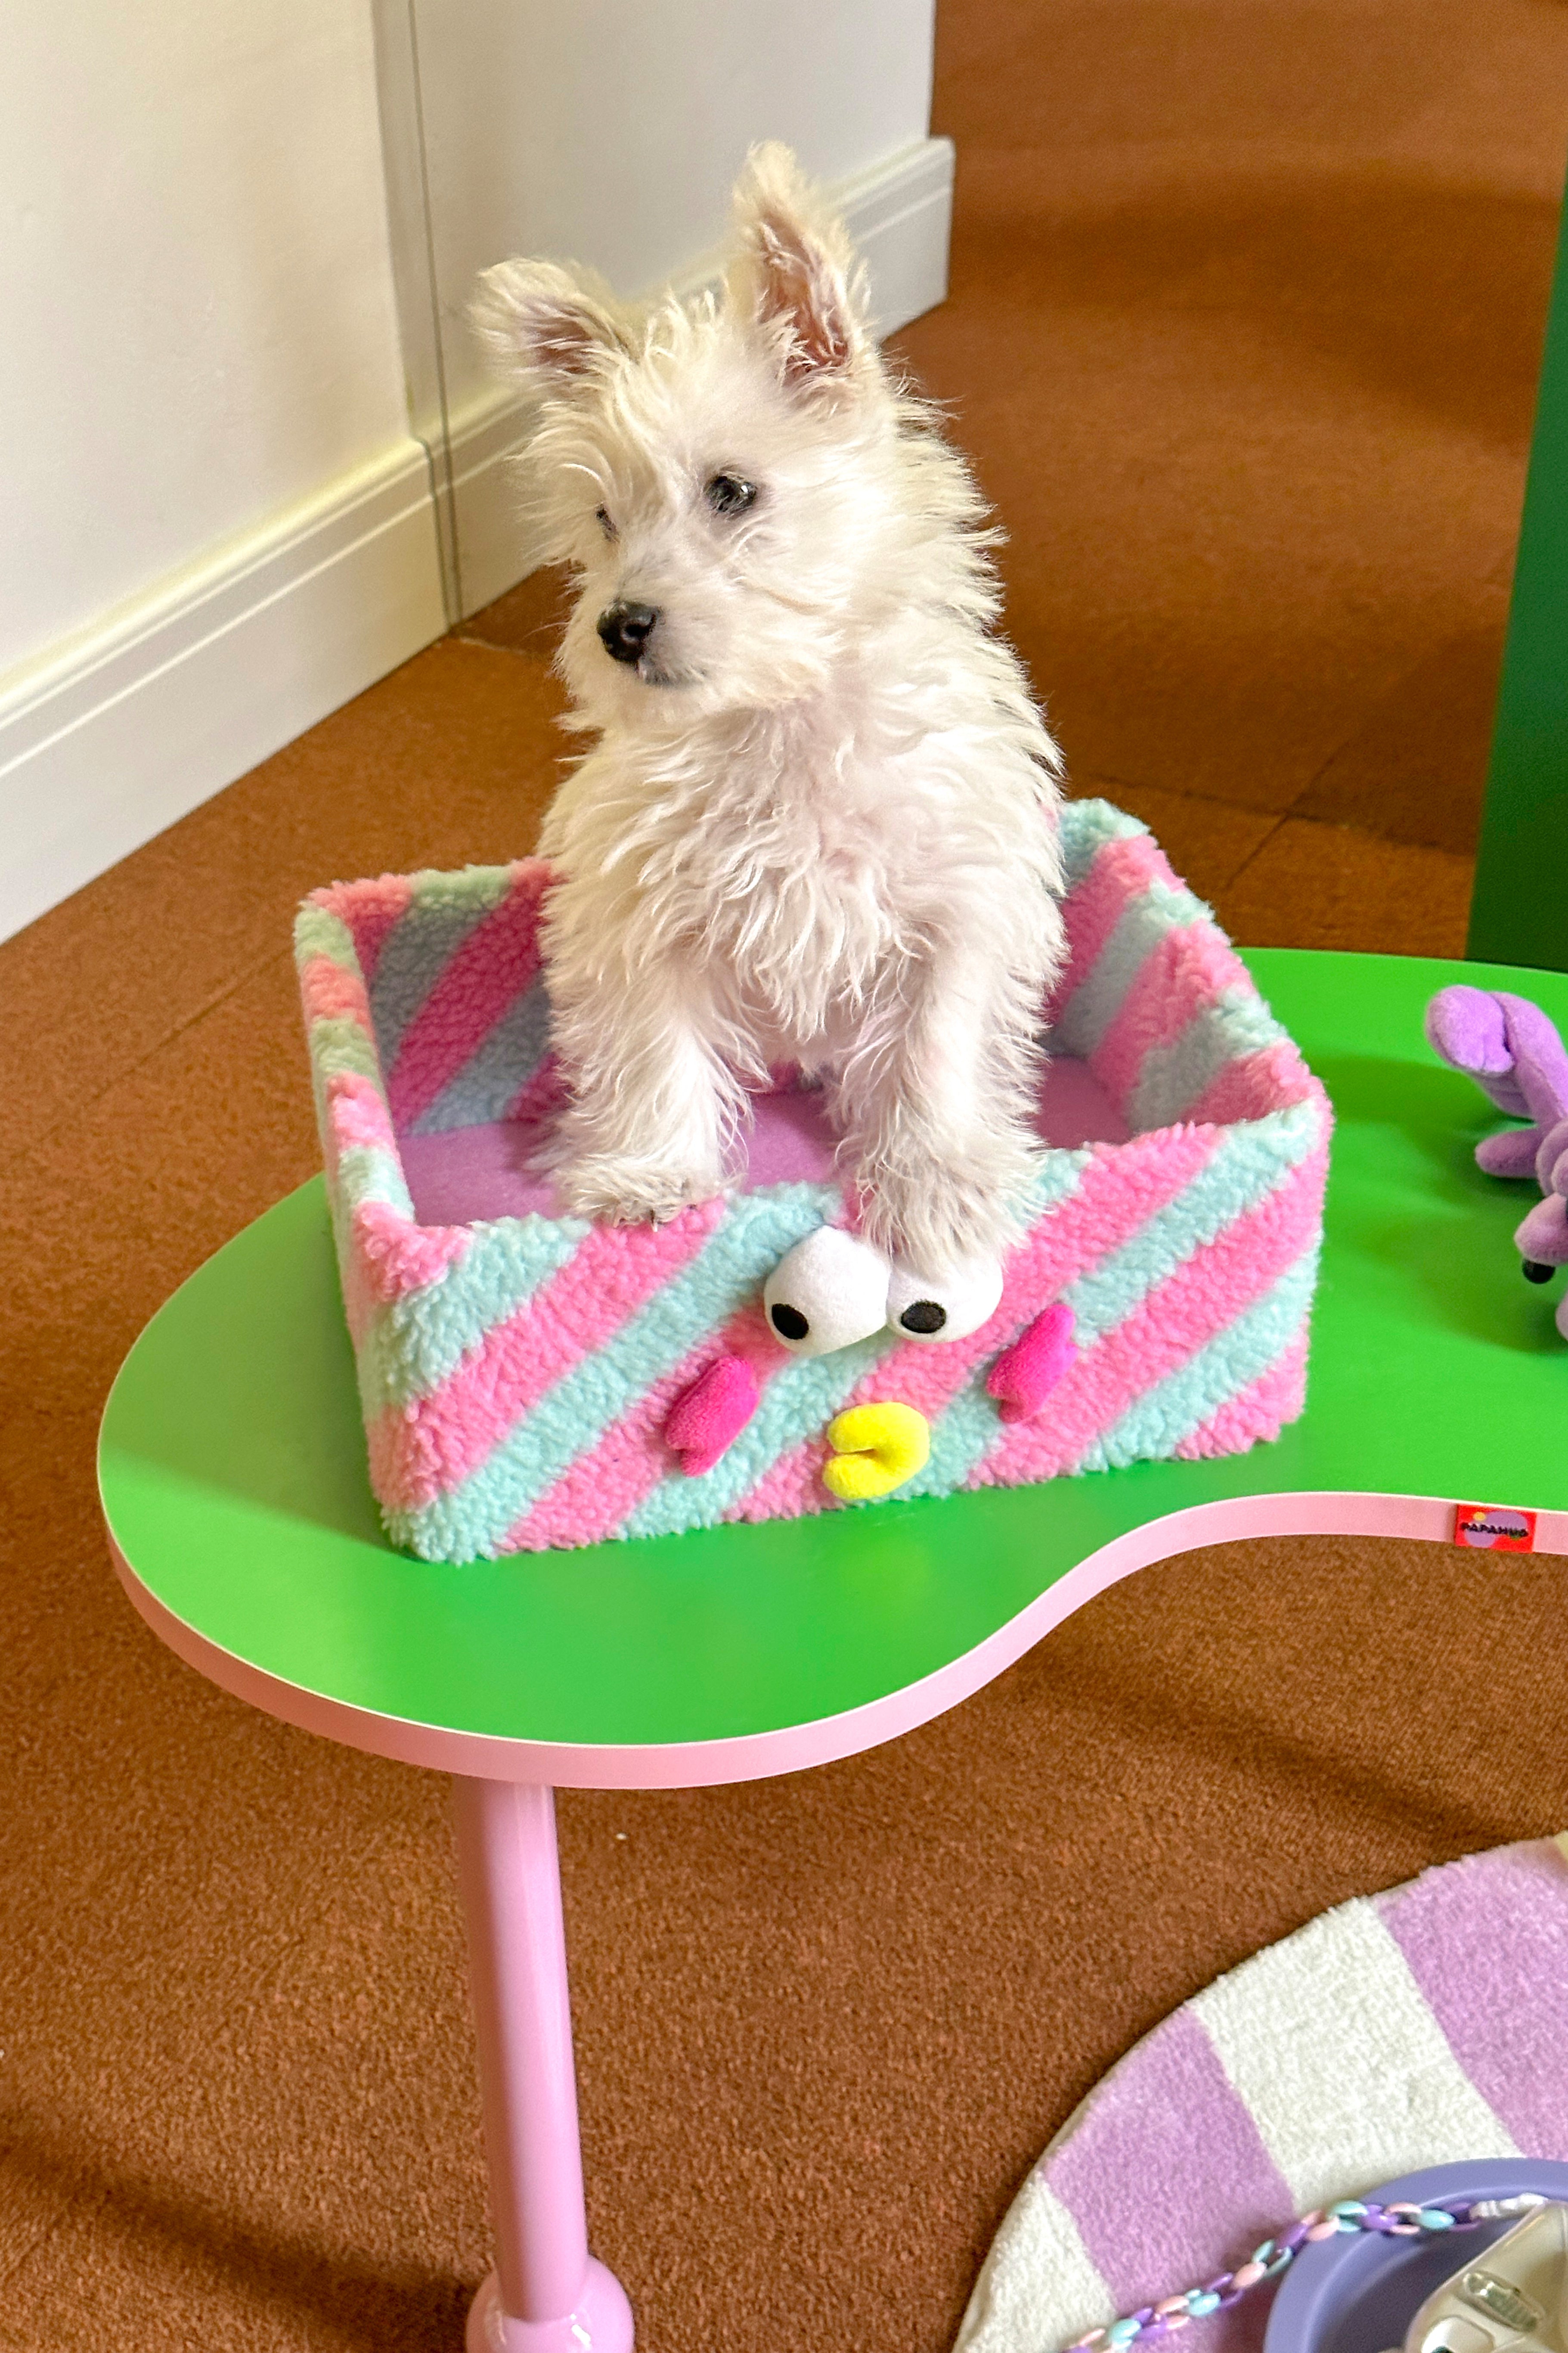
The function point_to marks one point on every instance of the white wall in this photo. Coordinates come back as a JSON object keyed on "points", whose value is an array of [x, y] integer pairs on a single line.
{"points": [[610, 132], [216, 525], [601, 132], [196, 319]]}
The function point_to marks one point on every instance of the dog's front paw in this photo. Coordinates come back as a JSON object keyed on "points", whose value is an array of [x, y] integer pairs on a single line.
{"points": [[941, 1215], [628, 1192]]}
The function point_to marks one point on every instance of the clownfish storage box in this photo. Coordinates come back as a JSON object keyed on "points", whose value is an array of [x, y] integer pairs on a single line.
{"points": [[529, 1379]]}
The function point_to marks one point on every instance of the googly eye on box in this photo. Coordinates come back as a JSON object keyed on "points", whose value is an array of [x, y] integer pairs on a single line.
{"points": [[945, 1307]]}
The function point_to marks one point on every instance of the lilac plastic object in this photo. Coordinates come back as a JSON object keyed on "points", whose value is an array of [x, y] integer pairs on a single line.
{"points": [[546, 2294], [1513, 1052], [1359, 2294], [1510, 1047]]}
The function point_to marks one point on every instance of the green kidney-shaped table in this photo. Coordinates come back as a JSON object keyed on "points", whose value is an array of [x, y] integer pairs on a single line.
{"points": [[233, 1477]]}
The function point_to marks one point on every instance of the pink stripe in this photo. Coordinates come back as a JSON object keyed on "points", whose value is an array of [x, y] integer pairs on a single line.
{"points": [[356, 1115], [1122, 1189], [372, 912], [1176, 1319], [1091, 910], [1261, 1410], [387, 1257], [1177, 980], [399, 1257], [601, 1490], [370, 1273], [1256, 1085], [1487, 1942], [332, 993], [359, 1307], [424, 1449], [1114, 2174], [486, 977]]}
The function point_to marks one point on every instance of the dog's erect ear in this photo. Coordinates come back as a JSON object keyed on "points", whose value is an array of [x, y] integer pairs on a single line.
{"points": [[547, 328], [795, 274]]}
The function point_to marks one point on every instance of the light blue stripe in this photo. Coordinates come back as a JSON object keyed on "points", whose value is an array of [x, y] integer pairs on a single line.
{"points": [[1142, 924], [445, 909], [1087, 828], [1058, 1173], [368, 1172], [1170, 1411], [338, 1045], [491, 1077], [318, 931], [574, 1415], [418, 1343], [1246, 1165], [801, 1401], [1173, 1077]]}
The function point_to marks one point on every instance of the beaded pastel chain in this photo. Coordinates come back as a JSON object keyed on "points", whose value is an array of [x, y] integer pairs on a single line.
{"points": [[1396, 2220]]}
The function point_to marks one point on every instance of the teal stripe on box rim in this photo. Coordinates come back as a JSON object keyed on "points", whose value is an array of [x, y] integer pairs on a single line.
{"points": [[1088, 827]]}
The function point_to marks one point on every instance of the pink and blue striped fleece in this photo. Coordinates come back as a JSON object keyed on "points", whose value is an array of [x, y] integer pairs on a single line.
{"points": [[516, 1372]]}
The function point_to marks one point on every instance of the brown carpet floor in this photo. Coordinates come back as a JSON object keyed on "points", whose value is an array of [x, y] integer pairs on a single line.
{"points": [[1248, 303]]}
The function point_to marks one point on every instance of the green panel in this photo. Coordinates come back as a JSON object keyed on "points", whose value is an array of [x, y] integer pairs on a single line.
{"points": [[1520, 910], [232, 1457]]}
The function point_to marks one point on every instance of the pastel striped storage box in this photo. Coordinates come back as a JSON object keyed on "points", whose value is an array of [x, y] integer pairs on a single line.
{"points": [[517, 1368]]}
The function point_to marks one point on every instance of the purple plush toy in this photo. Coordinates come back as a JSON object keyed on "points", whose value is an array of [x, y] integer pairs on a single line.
{"points": [[1516, 1059]]}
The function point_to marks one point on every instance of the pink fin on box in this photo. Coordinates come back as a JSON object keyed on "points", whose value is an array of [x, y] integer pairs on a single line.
{"points": [[1023, 1376], [713, 1411]]}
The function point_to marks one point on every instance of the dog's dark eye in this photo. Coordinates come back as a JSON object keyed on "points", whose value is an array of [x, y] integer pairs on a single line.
{"points": [[601, 517], [729, 494]]}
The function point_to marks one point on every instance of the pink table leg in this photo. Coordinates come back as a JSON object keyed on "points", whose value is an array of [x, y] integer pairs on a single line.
{"points": [[546, 2294]]}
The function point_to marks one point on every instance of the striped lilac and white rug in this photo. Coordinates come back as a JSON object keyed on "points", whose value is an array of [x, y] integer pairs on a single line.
{"points": [[1411, 2029]]}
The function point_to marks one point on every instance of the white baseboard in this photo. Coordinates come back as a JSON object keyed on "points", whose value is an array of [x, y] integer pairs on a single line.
{"points": [[900, 215], [108, 738]]}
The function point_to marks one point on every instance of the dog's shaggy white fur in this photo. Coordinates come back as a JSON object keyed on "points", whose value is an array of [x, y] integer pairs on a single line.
{"points": [[818, 826]]}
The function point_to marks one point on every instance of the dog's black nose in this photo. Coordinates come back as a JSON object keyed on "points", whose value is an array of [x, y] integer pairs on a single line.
{"points": [[625, 631]]}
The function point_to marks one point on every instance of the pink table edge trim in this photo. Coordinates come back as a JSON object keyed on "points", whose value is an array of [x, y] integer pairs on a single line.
{"points": [[792, 1748]]}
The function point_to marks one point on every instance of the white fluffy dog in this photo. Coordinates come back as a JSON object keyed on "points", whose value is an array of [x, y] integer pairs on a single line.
{"points": [[818, 826]]}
